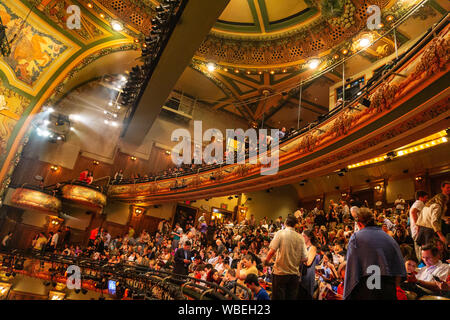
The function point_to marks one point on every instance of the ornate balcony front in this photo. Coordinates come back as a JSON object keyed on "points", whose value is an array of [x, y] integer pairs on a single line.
{"points": [[36, 200], [84, 196]]}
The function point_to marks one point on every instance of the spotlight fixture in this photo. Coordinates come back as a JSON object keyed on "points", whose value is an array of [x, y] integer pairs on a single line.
{"points": [[211, 67], [313, 63], [364, 42], [133, 158], [390, 18], [54, 168], [377, 187], [236, 196], [117, 26], [96, 163]]}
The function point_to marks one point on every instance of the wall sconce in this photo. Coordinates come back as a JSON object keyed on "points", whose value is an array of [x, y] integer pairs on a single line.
{"points": [[378, 187], [133, 158], [138, 211], [419, 179], [168, 152], [96, 163], [54, 168], [318, 200]]}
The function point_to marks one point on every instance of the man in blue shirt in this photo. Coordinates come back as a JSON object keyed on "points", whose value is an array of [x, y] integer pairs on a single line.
{"points": [[375, 265], [252, 283]]}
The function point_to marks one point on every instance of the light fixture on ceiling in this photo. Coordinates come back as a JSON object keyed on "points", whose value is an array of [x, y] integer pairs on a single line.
{"points": [[211, 67], [364, 42], [117, 26], [75, 117], [272, 72], [102, 15], [236, 70], [313, 63]]}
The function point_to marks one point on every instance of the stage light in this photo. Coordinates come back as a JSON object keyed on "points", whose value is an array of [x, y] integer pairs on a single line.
{"points": [[75, 117], [117, 26], [364, 42], [211, 67], [313, 63]]}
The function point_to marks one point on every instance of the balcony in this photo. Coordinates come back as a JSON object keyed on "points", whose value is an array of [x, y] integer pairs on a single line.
{"points": [[408, 102]]}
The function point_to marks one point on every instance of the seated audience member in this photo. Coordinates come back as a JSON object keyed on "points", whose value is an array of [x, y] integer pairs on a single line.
{"points": [[433, 278], [252, 283], [246, 266], [84, 175]]}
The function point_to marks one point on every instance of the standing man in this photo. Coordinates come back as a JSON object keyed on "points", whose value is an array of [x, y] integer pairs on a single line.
{"points": [[290, 250], [375, 265], [183, 259], [414, 212]]}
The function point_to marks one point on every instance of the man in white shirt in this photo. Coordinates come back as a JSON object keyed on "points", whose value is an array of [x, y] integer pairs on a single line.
{"points": [[414, 212], [432, 278]]}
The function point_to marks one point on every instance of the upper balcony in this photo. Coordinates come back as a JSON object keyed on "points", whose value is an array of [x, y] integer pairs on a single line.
{"points": [[405, 102]]}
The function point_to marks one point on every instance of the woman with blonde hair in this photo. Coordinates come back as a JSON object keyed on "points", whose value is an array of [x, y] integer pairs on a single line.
{"points": [[429, 221]]}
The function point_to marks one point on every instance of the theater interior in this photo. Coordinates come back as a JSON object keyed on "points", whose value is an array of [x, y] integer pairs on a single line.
{"points": [[98, 87]]}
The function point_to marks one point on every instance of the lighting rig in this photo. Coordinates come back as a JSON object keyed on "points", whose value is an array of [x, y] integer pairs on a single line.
{"points": [[162, 27]]}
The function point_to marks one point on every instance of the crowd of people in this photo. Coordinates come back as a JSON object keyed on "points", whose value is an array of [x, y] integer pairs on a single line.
{"points": [[181, 169], [311, 254]]}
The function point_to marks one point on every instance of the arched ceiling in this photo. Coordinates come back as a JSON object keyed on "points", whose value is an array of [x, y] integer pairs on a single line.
{"points": [[250, 18]]}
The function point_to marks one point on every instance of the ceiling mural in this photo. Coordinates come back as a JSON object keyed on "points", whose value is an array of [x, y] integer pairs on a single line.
{"points": [[43, 52], [35, 49]]}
